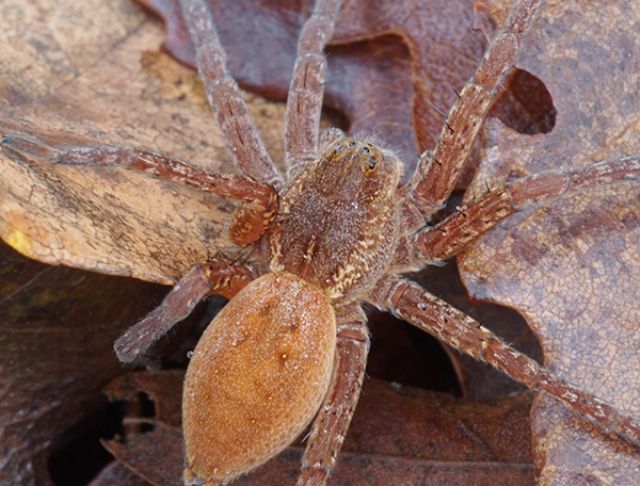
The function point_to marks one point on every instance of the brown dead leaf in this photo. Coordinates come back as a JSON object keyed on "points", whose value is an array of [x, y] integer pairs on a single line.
{"points": [[397, 432], [90, 73], [572, 267], [117, 474], [56, 335]]}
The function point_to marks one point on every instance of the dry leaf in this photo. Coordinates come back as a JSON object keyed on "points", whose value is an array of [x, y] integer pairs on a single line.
{"points": [[572, 268], [117, 474], [56, 333], [397, 432], [111, 88], [89, 72]]}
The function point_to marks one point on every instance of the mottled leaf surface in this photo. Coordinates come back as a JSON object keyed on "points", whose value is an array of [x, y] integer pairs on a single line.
{"points": [[572, 267]]}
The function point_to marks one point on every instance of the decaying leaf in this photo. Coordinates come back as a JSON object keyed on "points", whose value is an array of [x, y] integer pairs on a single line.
{"points": [[106, 84], [117, 474], [572, 268], [399, 432], [55, 334], [88, 72]]}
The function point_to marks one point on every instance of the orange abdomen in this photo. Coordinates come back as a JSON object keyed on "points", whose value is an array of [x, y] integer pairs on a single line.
{"points": [[257, 376]]}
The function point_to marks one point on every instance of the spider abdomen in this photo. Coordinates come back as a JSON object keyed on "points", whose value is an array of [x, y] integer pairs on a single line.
{"points": [[257, 376]]}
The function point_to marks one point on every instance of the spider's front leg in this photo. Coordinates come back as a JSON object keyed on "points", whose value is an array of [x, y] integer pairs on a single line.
{"points": [[304, 103], [332, 422], [216, 277], [224, 96], [409, 301], [438, 171]]}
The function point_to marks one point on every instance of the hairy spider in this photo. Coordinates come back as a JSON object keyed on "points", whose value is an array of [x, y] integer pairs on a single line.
{"points": [[337, 232]]}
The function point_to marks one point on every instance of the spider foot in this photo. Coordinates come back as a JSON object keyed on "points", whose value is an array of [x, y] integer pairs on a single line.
{"points": [[25, 146]]}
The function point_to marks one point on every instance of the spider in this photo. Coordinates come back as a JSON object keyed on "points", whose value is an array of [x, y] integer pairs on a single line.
{"points": [[338, 231]]}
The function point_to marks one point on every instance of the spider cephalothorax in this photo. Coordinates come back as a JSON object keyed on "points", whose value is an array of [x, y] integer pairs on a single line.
{"points": [[339, 219], [292, 343]]}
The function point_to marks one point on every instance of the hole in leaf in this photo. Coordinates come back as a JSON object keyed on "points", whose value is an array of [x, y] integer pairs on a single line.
{"points": [[403, 354], [525, 104]]}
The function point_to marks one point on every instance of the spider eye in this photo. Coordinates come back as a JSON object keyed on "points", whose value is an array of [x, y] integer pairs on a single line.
{"points": [[369, 164]]}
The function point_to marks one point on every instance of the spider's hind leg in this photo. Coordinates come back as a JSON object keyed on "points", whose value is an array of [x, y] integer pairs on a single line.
{"points": [[425, 311]]}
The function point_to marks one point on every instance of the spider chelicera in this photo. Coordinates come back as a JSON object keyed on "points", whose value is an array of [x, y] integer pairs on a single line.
{"points": [[337, 231]]}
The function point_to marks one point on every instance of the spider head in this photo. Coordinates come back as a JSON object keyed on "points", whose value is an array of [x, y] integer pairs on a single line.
{"points": [[358, 169], [338, 218]]}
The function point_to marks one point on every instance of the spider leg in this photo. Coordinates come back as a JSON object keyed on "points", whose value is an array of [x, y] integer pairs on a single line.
{"points": [[216, 277], [304, 104], [409, 301], [332, 422], [455, 233], [250, 221], [224, 96], [158, 165], [230, 186], [437, 171]]}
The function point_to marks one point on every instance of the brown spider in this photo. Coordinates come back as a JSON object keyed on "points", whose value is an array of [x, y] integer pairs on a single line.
{"points": [[337, 232]]}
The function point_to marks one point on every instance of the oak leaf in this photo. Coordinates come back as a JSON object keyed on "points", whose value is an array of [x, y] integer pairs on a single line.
{"points": [[112, 88], [572, 267]]}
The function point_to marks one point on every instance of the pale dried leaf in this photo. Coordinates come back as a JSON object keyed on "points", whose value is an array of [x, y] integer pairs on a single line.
{"points": [[95, 76]]}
